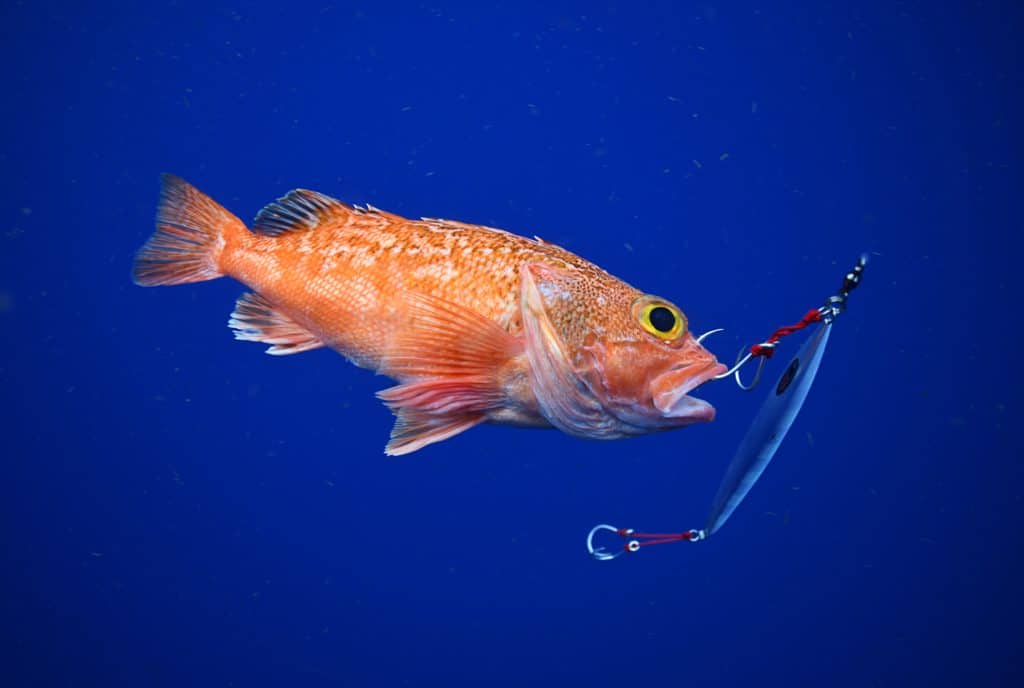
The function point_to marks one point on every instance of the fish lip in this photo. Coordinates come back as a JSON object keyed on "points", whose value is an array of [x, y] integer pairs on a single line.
{"points": [[676, 403], [709, 373]]}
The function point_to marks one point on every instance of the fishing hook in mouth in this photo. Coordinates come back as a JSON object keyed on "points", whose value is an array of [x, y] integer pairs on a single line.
{"points": [[741, 360]]}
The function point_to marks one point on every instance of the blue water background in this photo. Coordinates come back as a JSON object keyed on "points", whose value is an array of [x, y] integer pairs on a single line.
{"points": [[180, 509]]}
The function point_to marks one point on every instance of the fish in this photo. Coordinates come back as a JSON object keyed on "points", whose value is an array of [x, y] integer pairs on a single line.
{"points": [[474, 324]]}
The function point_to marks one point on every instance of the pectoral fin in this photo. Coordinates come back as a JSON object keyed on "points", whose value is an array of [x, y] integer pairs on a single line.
{"points": [[448, 358]]}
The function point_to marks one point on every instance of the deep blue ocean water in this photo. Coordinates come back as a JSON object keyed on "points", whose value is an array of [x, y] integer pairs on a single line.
{"points": [[180, 509]]}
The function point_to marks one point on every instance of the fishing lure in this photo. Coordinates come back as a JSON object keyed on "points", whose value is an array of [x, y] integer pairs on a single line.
{"points": [[767, 430]]}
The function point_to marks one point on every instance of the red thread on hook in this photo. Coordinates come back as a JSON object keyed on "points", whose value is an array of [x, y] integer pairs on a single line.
{"points": [[644, 539], [767, 348]]}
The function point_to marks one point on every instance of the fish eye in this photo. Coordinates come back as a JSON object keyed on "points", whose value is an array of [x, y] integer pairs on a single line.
{"points": [[660, 318]]}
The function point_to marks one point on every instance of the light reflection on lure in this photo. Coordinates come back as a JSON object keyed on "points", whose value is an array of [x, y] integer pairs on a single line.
{"points": [[767, 430]]}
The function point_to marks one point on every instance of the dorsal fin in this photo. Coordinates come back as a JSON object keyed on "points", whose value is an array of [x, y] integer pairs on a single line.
{"points": [[298, 210]]}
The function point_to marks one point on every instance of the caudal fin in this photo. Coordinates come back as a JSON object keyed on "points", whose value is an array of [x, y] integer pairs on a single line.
{"points": [[191, 232]]}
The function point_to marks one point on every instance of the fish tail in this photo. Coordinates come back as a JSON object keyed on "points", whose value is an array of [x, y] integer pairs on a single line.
{"points": [[192, 231]]}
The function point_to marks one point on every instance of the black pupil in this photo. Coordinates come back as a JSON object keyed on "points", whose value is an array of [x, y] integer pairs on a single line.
{"points": [[662, 319]]}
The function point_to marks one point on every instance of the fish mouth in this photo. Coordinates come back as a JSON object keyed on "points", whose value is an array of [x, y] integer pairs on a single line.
{"points": [[674, 402]]}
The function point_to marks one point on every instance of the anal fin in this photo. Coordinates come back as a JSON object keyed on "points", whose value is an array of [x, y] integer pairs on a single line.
{"points": [[256, 320]]}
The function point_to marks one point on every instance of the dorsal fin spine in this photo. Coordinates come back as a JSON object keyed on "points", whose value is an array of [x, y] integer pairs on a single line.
{"points": [[298, 210]]}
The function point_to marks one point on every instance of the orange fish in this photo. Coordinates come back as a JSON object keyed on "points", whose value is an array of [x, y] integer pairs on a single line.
{"points": [[475, 324]]}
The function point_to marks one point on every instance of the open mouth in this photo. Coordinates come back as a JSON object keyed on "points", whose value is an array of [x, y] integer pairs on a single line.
{"points": [[674, 402]]}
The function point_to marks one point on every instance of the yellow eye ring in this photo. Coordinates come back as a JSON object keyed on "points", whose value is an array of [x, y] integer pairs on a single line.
{"points": [[660, 318]]}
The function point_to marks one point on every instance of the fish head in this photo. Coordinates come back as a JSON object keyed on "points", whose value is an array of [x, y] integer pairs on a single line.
{"points": [[607, 360]]}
